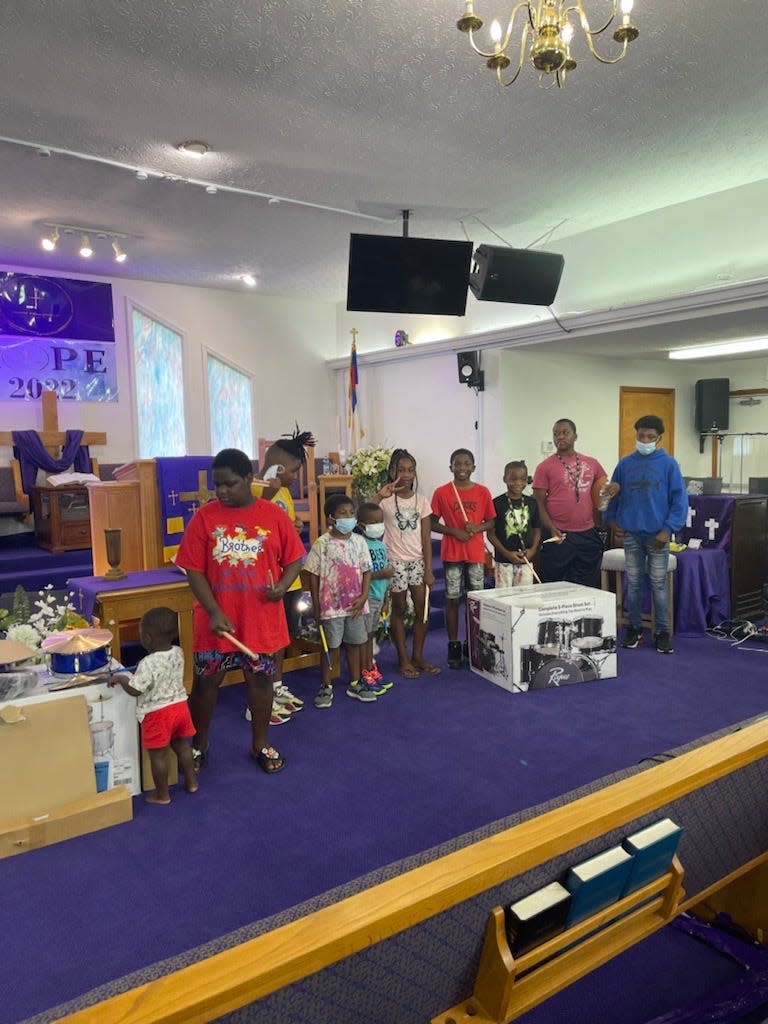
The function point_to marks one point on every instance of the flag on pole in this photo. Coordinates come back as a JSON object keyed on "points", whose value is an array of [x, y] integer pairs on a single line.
{"points": [[353, 402]]}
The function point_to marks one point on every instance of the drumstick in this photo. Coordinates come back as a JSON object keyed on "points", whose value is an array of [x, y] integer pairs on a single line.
{"points": [[324, 642], [426, 603], [461, 503], [535, 574], [238, 645]]}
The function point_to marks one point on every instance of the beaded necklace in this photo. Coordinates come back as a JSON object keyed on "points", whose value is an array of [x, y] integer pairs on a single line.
{"points": [[574, 475]]}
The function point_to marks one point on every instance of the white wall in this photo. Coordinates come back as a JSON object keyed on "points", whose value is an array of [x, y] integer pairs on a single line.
{"points": [[284, 342]]}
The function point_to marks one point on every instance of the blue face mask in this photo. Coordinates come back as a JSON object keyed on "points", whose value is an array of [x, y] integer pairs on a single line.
{"points": [[345, 525], [645, 447]]}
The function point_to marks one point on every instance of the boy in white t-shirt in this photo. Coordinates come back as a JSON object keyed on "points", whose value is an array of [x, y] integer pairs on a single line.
{"points": [[162, 707]]}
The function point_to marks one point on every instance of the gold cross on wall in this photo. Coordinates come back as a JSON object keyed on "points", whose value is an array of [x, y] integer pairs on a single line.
{"points": [[202, 494]]}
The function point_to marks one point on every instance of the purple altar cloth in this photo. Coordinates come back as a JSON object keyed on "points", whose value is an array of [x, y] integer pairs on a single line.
{"points": [[86, 589], [702, 590]]}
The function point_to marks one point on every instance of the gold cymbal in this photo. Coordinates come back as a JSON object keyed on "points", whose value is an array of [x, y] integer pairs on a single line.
{"points": [[77, 641]]}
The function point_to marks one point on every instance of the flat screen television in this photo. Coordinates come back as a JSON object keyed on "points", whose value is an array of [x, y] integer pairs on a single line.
{"points": [[389, 274]]}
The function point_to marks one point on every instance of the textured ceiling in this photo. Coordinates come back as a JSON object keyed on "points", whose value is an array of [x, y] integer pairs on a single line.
{"points": [[358, 105]]}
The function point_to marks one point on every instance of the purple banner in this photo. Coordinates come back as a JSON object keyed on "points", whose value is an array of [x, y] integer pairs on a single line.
{"points": [[55, 307], [78, 371]]}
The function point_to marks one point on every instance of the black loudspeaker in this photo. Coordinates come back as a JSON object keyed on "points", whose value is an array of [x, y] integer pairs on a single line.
{"points": [[711, 410], [469, 370], [515, 275]]}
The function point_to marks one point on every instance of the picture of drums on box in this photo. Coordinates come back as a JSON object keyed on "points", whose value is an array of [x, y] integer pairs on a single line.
{"points": [[566, 652]]}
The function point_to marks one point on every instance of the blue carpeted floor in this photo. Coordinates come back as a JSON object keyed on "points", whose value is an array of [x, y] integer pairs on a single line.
{"points": [[365, 785]]}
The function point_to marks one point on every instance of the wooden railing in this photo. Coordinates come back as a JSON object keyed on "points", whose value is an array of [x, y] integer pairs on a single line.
{"points": [[254, 969]]}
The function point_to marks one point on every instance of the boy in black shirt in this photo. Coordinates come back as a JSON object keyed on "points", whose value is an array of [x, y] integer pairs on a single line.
{"points": [[517, 532]]}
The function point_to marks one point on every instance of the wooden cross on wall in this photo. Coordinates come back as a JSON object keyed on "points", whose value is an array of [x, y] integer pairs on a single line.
{"points": [[202, 494], [52, 437]]}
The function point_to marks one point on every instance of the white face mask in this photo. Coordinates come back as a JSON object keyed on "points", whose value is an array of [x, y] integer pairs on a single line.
{"points": [[374, 530], [646, 447]]}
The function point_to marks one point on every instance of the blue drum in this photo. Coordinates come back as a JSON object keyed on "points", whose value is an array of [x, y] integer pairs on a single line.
{"points": [[78, 650]]}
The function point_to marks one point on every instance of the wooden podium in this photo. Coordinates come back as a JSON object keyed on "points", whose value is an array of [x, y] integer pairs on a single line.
{"points": [[130, 504]]}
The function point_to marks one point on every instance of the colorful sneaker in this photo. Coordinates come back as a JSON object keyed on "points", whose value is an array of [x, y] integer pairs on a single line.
{"points": [[359, 691], [324, 697], [632, 638], [374, 683], [663, 643], [284, 696], [279, 716], [454, 654]]}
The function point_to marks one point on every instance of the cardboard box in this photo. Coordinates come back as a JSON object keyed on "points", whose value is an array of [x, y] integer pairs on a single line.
{"points": [[547, 635], [75, 819]]}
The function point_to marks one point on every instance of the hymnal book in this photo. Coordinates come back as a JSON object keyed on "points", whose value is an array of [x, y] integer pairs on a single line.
{"points": [[597, 882], [652, 850], [536, 918]]}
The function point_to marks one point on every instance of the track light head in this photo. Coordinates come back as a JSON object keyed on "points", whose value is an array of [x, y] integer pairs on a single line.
{"points": [[249, 280], [48, 242], [120, 256], [85, 248]]}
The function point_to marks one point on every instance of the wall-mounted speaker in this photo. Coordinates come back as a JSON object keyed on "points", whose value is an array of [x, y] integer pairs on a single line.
{"points": [[526, 276], [712, 408], [469, 370]]}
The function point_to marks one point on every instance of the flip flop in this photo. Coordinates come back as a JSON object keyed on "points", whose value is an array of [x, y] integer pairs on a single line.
{"points": [[199, 758], [409, 673], [431, 670], [269, 760]]}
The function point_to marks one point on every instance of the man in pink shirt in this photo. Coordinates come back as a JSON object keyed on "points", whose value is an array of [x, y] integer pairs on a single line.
{"points": [[562, 486]]}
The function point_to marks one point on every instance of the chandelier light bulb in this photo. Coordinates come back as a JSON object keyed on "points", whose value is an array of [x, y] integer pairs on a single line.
{"points": [[49, 241], [85, 248], [248, 279], [567, 32], [626, 6], [496, 32]]}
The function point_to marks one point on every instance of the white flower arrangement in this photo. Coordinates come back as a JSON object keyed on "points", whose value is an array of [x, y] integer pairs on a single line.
{"points": [[368, 468], [31, 627]]}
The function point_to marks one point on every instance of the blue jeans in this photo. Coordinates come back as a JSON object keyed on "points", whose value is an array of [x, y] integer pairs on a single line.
{"points": [[638, 548]]}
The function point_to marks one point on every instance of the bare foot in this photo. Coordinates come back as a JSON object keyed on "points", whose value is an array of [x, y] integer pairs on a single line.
{"points": [[191, 785], [425, 666], [409, 671], [153, 798]]}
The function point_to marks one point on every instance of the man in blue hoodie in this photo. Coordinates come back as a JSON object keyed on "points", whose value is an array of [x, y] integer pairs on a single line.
{"points": [[651, 504]]}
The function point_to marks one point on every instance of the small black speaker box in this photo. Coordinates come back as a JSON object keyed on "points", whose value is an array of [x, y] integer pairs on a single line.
{"points": [[525, 276], [711, 410], [469, 369]]}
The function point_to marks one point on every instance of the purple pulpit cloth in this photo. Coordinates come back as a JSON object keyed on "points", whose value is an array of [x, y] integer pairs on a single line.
{"points": [[86, 589], [702, 590], [710, 519]]}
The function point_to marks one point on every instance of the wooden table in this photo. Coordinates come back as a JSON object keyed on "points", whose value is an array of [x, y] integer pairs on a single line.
{"points": [[62, 517]]}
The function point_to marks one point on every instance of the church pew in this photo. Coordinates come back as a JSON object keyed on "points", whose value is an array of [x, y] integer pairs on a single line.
{"points": [[420, 931]]}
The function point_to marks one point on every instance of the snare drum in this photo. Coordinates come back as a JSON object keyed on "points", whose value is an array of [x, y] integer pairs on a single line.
{"points": [[553, 636], [588, 634], [531, 660], [563, 671]]}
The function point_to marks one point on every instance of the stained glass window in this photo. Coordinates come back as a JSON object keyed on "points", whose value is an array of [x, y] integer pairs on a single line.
{"points": [[159, 378], [230, 406]]}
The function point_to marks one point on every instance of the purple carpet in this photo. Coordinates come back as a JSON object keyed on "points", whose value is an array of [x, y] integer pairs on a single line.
{"points": [[365, 785]]}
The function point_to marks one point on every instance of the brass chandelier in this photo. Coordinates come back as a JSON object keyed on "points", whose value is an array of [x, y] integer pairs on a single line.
{"points": [[545, 30]]}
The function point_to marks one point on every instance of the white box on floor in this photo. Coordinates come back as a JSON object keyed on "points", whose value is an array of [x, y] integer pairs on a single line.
{"points": [[550, 634]]}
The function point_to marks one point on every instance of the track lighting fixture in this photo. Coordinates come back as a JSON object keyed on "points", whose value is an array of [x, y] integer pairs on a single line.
{"points": [[49, 241], [120, 256], [85, 249]]}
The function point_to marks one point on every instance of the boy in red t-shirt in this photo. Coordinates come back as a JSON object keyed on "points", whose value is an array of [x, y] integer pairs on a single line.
{"points": [[467, 512]]}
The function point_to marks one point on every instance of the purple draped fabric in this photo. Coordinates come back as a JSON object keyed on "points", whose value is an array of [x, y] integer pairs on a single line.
{"points": [[86, 589], [29, 450], [710, 519]]}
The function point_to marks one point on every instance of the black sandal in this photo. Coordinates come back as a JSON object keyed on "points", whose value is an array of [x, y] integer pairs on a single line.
{"points": [[269, 760], [199, 758]]}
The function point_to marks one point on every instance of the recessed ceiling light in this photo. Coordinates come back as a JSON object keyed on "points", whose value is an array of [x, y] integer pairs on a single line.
{"points": [[195, 149], [248, 279]]}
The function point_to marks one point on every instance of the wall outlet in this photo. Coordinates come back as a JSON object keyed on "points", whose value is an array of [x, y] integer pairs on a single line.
{"points": [[547, 447]]}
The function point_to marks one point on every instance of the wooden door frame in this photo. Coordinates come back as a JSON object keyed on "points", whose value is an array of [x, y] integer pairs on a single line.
{"points": [[625, 389]]}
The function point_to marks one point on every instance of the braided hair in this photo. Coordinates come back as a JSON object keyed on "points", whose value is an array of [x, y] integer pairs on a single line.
{"points": [[294, 444]]}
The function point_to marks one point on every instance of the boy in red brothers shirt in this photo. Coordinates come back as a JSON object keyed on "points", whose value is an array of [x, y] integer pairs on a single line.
{"points": [[467, 512], [241, 555]]}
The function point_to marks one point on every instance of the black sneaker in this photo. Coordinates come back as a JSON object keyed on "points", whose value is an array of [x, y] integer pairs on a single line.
{"points": [[663, 643], [454, 654], [632, 637]]}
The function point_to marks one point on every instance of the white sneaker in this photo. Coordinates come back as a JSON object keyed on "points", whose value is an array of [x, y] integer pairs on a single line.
{"points": [[287, 700]]}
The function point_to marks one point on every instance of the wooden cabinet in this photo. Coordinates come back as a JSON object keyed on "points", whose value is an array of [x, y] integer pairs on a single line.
{"points": [[62, 518], [749, 556]]}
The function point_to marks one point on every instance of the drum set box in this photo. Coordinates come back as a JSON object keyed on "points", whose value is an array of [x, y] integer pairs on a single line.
{"points": [[542, 636]]}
